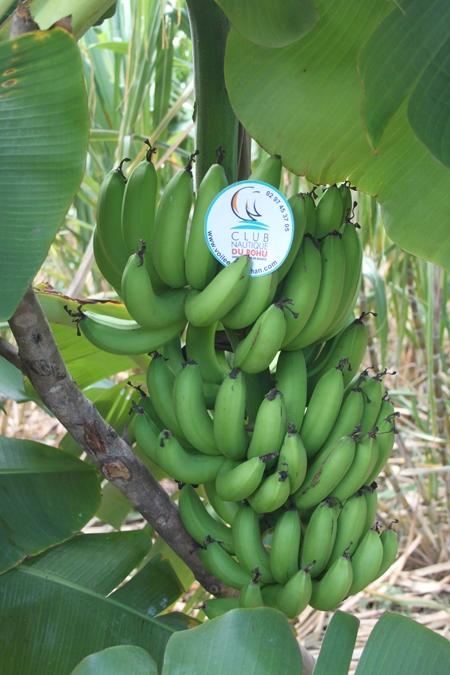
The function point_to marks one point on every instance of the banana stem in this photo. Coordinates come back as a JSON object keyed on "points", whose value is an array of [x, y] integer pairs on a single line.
{"points": [[216, 123]]}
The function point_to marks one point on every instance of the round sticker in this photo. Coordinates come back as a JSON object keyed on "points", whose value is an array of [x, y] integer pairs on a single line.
{"points": [[250, 218]]}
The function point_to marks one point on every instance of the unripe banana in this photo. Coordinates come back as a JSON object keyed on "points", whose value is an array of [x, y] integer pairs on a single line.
{"points": [[285, 546], [302, 285], [323, 409], [371, 497], [184, 466], [111, 273], [160, 384], [348, 419], [330, 211], [251, 595], [319, 537], [270, 425], [300, 210], [295, 594], [229, 416], [325, 473], [238, 480], [346, 196], [362, 465], [190, 409], [334, 586], [139, 204], [373, 389], [199, 523], [257, 350], [248, 546], [173, 354], [293, 458], [146, 433], [366, 561], [270, 594], [389, 540], [145, 306], [260, 293], [330, 293], [220, 295], [269, 171], [351, 525], [272, 493], [201, 266], [226, 510], [223, 566], [214, 607], [257, 387], [109, 223], [385, 437], [352, 281], [200, 347], [170, 228], [121, 336], [291, 380]]}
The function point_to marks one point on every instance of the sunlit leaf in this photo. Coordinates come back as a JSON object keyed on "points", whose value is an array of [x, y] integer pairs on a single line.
{"points": [[122, 660], [337, 646]]}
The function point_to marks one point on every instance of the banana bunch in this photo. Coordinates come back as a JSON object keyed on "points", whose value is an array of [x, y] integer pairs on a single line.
{"points": [[256, 405]]}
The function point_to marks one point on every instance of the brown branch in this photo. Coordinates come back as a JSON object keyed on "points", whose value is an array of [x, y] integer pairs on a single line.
{"points": [[10, 353], [110, 453]]}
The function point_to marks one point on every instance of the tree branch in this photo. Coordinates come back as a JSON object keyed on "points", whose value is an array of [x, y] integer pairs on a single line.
{"points": [[10, 353], [44, 366]]}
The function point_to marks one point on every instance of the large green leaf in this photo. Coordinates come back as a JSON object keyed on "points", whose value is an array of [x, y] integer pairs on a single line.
{"points": [[400, 646], [269, 23], [11, 382], [48, 625], [304, 102], [46, 496], [251, 641], [43, 143], [98, 562], [122, 660], [114, 506], [337, 646]]}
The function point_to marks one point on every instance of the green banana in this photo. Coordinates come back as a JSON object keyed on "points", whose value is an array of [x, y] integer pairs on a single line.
{"points": [[299, 204], [170, 228], [146, 433], [323, 409], [302, 285], [145, 306], [199, 523], [295, 594], [291, 380], [214, 607], [330, 293], [373, 389], [257, 350], [270, 594], [201, 266], [111, 273], [257, 387], [285, 546], [248, 546], [330, 211], [204, 307], [108, 216], [190, 409], [269, 171], [251, 595], [325, 473], [229, 416], [270, 425], [260, 293], [225, 509], [238, 480], [311, 214], [160, 384], [362, 465], [173, 354], [347, 420], [353, 254], [121, 336], [334, 586], [273, 492], [184, 466], [389, 540], [293, 458], [351, 525], [222, 565], [385, 439], [366, 561], [346, 196], [371, 497], [319, 537], [139, 204], [200, 346]]}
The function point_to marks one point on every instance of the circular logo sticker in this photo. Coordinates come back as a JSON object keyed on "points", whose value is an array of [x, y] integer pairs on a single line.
{"points": [[250, 218]]}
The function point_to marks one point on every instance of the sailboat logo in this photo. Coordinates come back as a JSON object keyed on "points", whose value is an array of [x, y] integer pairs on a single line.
{"points": [[243, 205]]}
